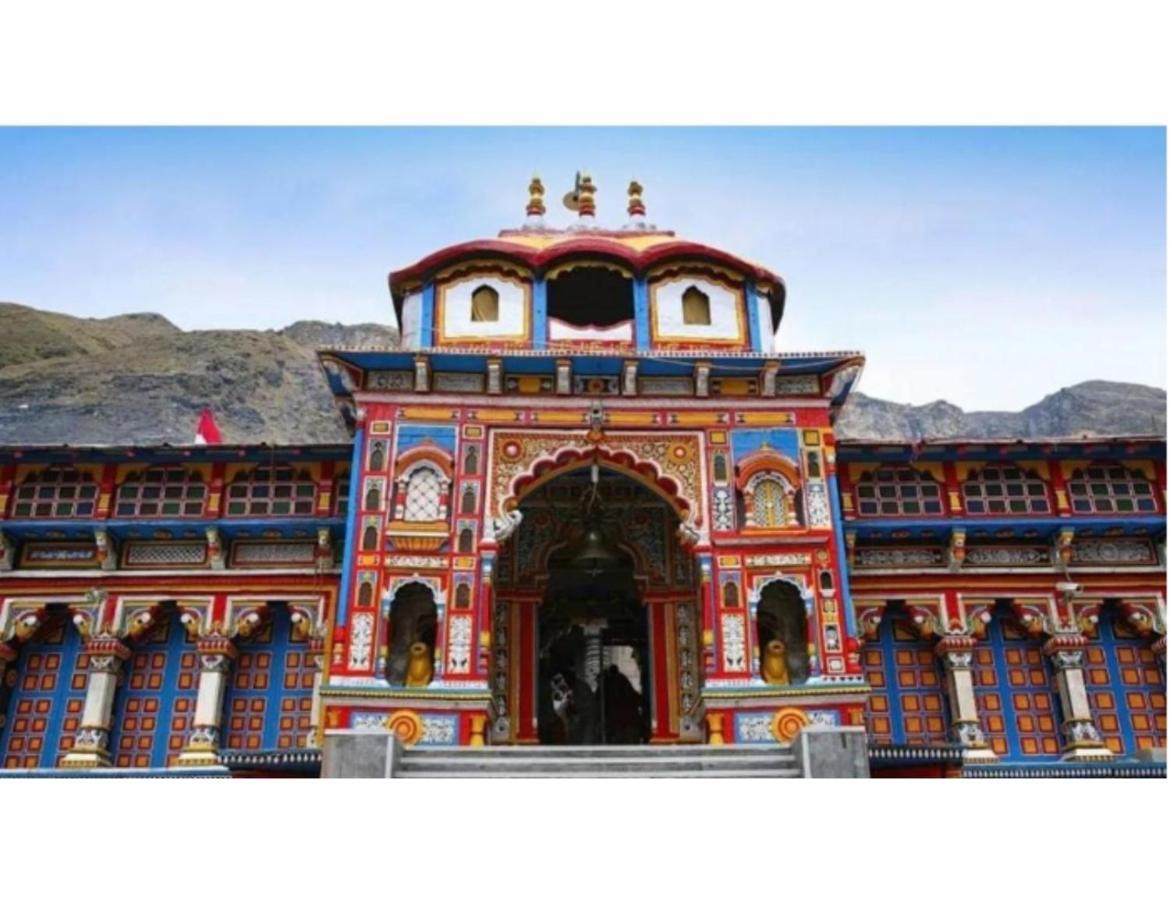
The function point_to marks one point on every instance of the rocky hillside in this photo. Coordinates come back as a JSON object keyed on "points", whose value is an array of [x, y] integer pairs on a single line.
{"points": [[140, 379], [1088, 409]]}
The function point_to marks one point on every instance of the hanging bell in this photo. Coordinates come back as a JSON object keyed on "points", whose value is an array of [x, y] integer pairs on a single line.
{"points": [[592, 552]]}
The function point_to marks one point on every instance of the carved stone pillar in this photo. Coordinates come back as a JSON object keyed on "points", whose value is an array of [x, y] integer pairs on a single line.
{"points": [[956, 652], [91, 744], [216, 654], [1066, 651]]}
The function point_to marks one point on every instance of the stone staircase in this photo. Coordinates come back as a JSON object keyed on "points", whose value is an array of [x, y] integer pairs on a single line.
{"points": [[610, 761]]}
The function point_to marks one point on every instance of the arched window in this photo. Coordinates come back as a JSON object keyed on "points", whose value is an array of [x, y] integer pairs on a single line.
{"points": [[366, 594], [769, 503], [471, 460], [272, 491], [56, 493], [162, 491], [413, 621], [999, 489], [370, 538], [720, 467], [377, 456], [423, 496], [898, 491], [463, 596], [814, 465], [696, 307], [1110, 489], [468, 504], [730, 594], [826, 580], [466, 541], [782, 634], [485, 304], [373, 499]]}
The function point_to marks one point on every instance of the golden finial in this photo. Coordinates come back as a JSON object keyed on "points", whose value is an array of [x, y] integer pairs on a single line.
{"points": [[585, 191], [636, 208], [535, 208]]}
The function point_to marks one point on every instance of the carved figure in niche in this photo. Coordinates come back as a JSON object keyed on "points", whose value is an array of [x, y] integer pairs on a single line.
{"points": [[413, 623], [421, 667], [781, 619], [774, 666]]}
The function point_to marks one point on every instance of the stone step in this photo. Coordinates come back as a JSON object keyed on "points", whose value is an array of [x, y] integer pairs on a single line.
{"points": [[607, 761]]}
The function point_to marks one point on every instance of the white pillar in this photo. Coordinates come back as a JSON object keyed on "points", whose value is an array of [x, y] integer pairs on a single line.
{"points": [[91, 744], [1081, 738], [215, 662], [956, 653]]}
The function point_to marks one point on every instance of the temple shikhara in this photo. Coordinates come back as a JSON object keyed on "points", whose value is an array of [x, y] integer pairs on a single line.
{"points": [[590, 522]]}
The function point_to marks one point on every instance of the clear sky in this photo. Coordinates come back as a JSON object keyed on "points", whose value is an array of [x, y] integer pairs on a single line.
{"points": [[984, 266]]}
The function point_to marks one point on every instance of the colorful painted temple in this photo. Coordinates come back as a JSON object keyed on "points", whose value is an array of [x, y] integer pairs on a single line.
{"points": [[586, 503]]}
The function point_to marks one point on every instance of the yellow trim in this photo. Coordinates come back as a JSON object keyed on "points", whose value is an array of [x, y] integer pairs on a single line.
{"points": [[633, 418], [554, 417], [496, 415], [698, 418], [429, 413], [768, 418], [588, 263]]}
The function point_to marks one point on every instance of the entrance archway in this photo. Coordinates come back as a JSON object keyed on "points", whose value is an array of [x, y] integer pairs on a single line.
{"points": [[589, 592]]}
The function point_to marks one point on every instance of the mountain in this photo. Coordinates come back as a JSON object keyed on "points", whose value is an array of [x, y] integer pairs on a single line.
{"points": [[1091, 408], [140, 379]]}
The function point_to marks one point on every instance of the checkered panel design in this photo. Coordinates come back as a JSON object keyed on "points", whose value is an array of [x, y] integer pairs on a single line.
{"points": [[908, 705], [155, 706], [1126, 687], [423, 493], [1018, 708], [269, 700], [46, 693]]}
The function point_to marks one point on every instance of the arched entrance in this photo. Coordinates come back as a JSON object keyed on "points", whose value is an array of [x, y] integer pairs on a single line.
{"points": [[596, 604]]}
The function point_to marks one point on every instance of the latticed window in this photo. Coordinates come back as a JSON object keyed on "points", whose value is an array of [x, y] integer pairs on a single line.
{"points": [[1004, 489], [1110, 489], [768, 503], [163, 491], [271, 491], [898, 492], [55, 493], [423, 496]]}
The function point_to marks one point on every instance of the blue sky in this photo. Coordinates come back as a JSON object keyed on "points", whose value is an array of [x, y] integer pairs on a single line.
{"points": [[985, 266]]}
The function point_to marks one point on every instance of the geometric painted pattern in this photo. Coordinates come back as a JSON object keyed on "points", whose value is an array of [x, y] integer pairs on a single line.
{"points": [[269, 699], [46, 693], [155, 703], [908, 703], [1126, 687], [1018, 709]]}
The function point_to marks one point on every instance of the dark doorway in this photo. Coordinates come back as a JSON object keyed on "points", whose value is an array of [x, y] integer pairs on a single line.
{"points": [[591, 296]]}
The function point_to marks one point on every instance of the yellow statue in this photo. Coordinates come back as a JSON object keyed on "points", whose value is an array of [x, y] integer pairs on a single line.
{"points": [[420, 667], [774, 667]]}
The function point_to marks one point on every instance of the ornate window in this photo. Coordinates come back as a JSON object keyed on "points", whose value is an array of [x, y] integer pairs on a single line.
{"points": [[468, 505], [424, 490], [377, 456], [730, 594], [271, 491], [471, 460], [767, 483], [55, 493], [373, 498], [485, 304], [898, 491], [720, 468], [366, 594], [1002, 489], [696, 307], [463, 596], [1110, 489], [769, 506], [466, 541], [370, 539], [162, 491]]}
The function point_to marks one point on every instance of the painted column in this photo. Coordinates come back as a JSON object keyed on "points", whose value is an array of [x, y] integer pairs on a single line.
{"points": [[1066, 652], [91, 745], [426, 323], [848, 616], [539, 314], [955, 651], [753, 316], [215, 660], [641, 314]]}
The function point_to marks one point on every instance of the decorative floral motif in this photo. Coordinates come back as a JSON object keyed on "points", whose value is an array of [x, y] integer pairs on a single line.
{"points": [[733, 644], [459, 646], [1112, 552], [816, 504], [779, 559], [753, 728], [873, 558], [361, 640], [440, 730], [1008, 556]]}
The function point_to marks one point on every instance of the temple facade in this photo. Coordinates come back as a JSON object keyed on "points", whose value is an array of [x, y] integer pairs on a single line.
{"points": [[586, 503]]}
